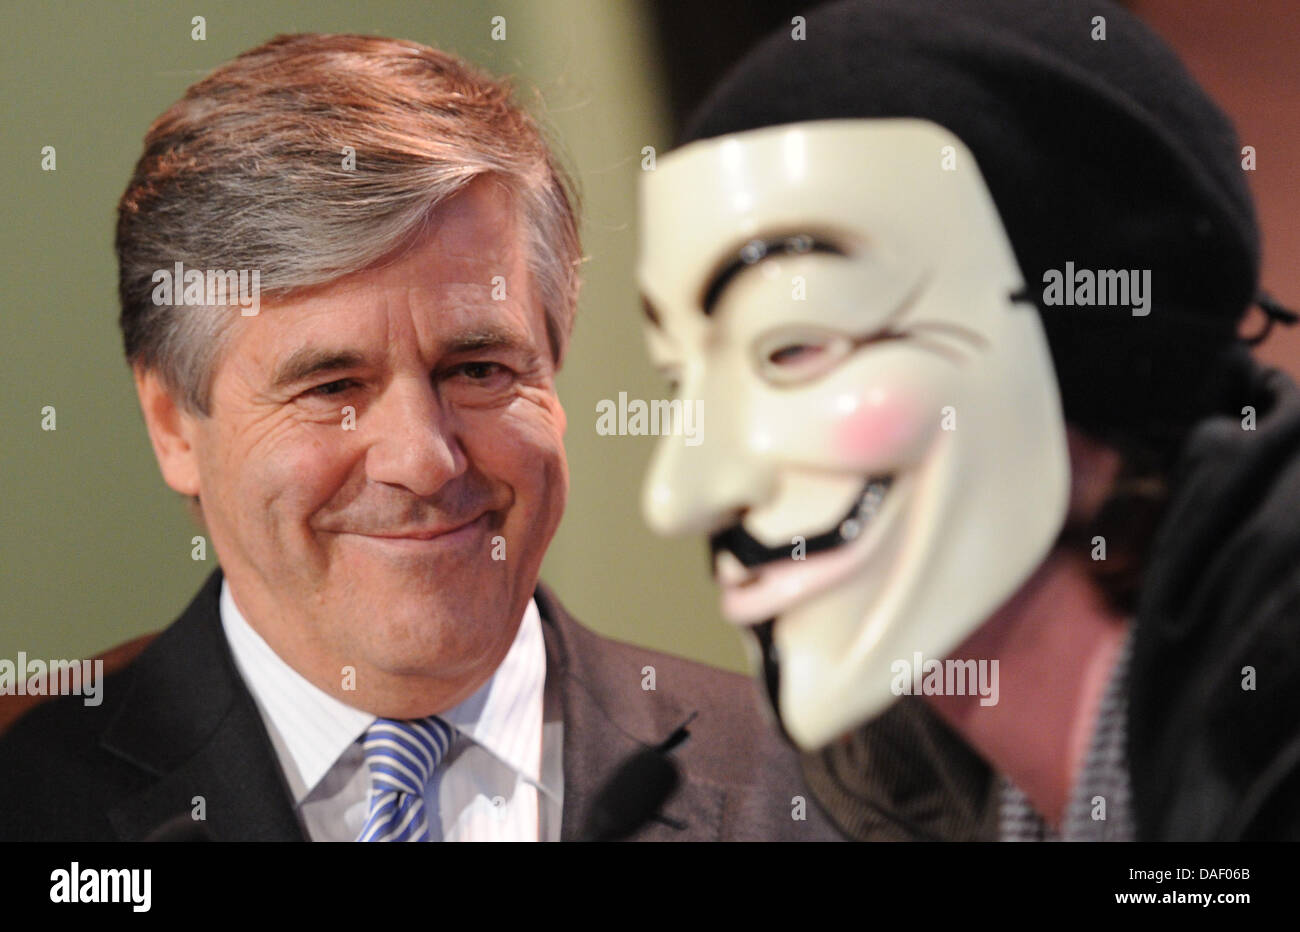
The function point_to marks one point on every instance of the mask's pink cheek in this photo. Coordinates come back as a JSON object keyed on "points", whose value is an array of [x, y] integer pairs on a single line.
{"points": [[887, 433]]}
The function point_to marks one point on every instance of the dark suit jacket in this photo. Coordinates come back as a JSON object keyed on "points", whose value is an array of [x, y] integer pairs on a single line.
{"points": [[178, 722]]}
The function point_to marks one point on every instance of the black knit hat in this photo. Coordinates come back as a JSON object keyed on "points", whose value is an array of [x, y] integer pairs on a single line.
{"points": [[1100, 152]]}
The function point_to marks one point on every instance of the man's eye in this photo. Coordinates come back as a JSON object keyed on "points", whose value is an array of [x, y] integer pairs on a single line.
{"points": [[479, 380], [481, 371], [478, 383], [331, 388]]}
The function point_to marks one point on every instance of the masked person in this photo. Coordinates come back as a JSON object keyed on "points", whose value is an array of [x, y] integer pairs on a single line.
{"points": [[959, 286]]}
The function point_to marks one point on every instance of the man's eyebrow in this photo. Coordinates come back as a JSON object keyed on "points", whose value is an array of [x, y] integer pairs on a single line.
{"points": [[483, 338], [308, 361], [757, 250]]}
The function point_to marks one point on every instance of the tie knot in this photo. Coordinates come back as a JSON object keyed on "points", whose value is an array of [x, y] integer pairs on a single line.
{"points": [[402, 755]]}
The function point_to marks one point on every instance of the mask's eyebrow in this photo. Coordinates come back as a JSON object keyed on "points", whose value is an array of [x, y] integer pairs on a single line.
{"points": [[650, 313], [756, 251]]}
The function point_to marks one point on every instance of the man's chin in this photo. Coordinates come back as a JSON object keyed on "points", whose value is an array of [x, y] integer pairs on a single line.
{"points": [[414, 632], [441, 662]]}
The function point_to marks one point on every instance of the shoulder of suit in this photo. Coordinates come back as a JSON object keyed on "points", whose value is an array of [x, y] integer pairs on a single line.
{"points": [[647, 669], [56, 780], [731, 736]]}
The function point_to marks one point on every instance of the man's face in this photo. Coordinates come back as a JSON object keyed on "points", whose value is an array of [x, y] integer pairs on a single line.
{"points": [[383, 466], [887, 459]]}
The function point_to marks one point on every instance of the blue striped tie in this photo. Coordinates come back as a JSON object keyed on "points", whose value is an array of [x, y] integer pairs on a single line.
{"points": [[402, 756]]}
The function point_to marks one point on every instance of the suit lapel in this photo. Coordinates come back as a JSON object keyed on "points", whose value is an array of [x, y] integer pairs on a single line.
{"points": [[190, 721], [607, 719]]}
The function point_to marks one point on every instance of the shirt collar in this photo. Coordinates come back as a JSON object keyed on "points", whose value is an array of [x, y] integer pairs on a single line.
{"points": [[311, 729], [505, 715]]}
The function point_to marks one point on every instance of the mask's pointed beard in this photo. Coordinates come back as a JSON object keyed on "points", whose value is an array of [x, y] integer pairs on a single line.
{"points": [[771, 676]]}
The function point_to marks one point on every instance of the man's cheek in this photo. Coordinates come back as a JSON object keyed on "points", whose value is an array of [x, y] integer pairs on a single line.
{"points": [[286, 487], [523, 447], [526, 435]]}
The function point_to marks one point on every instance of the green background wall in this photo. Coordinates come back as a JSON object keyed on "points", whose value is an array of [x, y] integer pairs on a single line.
{"points": [[96, 549]]}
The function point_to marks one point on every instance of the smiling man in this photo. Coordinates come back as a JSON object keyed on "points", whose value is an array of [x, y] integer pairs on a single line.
{"points": [[376, 451], [372, 442]]}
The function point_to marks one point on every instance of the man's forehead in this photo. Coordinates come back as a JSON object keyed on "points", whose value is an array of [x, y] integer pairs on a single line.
{"points": [[459, 246], [377, 306], [464, 273]]}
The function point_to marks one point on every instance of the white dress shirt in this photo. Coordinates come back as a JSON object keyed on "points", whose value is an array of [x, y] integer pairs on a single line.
{"points": [[500, 781]]}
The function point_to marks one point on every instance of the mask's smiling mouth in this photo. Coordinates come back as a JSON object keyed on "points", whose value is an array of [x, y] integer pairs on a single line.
{"points": [[750, 552], [759, 582]]}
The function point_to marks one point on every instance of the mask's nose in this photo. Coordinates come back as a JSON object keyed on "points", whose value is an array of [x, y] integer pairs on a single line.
{"points": [[698, 489]]}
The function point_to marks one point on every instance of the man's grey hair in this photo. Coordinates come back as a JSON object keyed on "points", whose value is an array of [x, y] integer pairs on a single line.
{"points": [[246, 171]]}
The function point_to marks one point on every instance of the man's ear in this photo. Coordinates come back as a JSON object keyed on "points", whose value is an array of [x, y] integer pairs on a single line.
{"points": [[171, 431]]}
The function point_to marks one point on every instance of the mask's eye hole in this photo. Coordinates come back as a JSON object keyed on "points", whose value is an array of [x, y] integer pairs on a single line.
{"points": [[799, 354]]}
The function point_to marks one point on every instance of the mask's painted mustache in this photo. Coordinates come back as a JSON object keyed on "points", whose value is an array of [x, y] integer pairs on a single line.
{"points": [[752, 552]]}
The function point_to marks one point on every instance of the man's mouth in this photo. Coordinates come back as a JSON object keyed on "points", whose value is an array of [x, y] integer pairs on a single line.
{"points": [[428, 538], [423, 532], [759, 582]]}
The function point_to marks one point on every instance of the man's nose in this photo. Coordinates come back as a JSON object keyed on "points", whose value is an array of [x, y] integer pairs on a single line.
{"points": [[698, 489], [414, 444]]}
